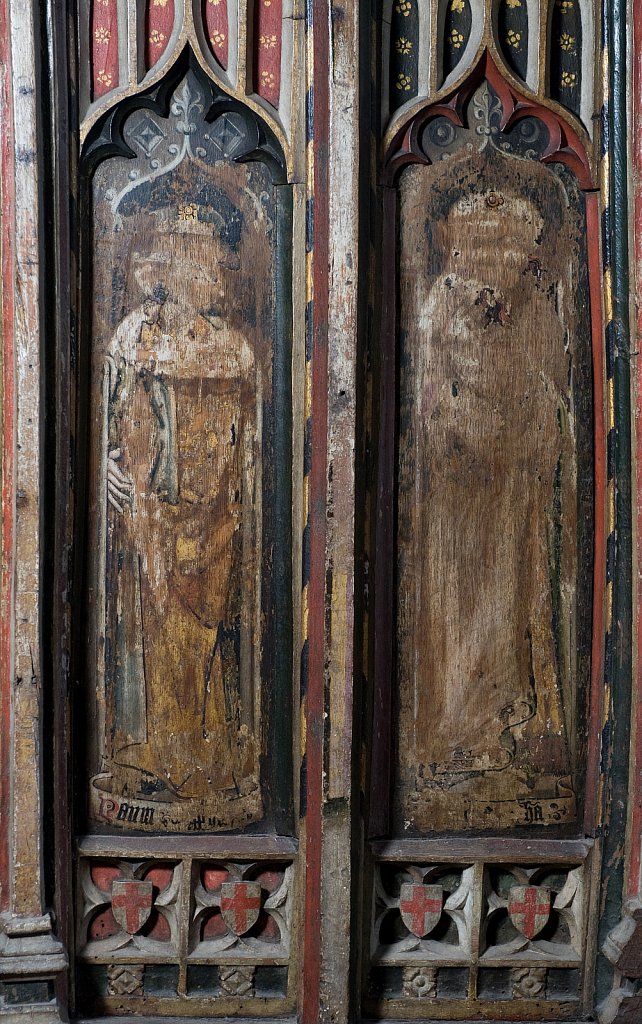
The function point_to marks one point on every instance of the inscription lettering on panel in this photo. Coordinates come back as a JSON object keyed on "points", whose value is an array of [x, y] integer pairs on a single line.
{"points": [[182, 502], [494, 504]]}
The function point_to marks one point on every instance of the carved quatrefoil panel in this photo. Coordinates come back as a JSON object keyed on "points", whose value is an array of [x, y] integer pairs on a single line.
{"points": [[244, 910], [129, 907], [422, 913], [533, 912]]}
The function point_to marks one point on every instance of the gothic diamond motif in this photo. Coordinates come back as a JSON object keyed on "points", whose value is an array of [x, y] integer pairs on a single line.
{"points": [[125, 979], [237, 981], [228, 135], [147, 135]]}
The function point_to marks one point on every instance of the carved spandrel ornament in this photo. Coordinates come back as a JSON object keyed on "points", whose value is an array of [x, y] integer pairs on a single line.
{"points": [[183, 336], [495, 478]]}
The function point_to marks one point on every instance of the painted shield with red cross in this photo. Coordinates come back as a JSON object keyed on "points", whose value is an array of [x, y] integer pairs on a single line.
{"points": [[529, 908], [131, 903], [240, 905], [421, 907]]}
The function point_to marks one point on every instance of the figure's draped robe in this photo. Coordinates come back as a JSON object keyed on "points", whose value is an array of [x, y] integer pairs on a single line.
{"points": [[181, 412], [487, 516]]}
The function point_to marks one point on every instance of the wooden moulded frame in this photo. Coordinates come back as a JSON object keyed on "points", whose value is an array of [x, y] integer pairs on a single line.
{"points": [[567, 147], [98, 137], [104, 141], [38, 270], [570, 146]]}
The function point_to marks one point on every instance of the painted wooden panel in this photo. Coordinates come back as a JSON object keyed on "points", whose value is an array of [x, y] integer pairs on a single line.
{"points": [[494, 501], [160, 22], [513, 29], [104, 47], [268, 45], [565, 61], [187, 531], [404, 52], [217, 29], [457, 20]]}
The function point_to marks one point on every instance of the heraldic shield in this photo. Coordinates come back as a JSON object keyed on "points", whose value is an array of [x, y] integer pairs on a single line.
{"points": [[529, 908], [421, 907], [240, 905], [131, 903]]}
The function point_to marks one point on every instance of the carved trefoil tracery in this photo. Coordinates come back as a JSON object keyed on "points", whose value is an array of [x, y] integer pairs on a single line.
{"points": [[547, 46]]}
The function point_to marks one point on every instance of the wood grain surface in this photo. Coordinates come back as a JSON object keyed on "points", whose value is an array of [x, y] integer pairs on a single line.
{"points": [[182, 478], [494, 495]]}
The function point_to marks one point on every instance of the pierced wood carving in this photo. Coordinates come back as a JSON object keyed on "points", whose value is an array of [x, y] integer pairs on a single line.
{"points": [[191, 929], [497, 932], [129, 908]]}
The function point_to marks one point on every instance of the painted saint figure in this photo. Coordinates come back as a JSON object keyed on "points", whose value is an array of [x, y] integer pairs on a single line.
{"points": [[488, 503], [182, 463]]}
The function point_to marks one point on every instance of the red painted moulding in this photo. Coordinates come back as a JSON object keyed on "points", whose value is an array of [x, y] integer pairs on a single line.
{"points": [[159, 25], [8, 416], [565, 146], [268, 42], [104, 47]]}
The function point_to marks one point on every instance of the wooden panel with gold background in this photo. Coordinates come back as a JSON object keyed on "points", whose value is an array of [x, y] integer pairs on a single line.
{"points": [[188, 583]]}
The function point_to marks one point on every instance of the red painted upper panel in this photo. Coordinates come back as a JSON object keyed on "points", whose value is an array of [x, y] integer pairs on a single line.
{"points": [[104, 47], [159, 25], [268, 38], [215, 18]]}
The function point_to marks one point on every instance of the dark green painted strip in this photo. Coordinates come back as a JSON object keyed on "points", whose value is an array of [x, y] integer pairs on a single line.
{"points": [[619, 664]]}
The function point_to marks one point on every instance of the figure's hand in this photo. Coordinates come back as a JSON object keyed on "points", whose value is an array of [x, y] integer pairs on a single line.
{"points": [[119, 486]]}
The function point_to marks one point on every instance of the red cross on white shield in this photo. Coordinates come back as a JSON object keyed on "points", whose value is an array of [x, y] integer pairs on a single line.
{"points": [[421, 907], [240, 905], [131, 903], [529, 908]]}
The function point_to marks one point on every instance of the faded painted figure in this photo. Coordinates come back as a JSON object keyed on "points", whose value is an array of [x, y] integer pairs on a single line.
{"points": [[183, 383], [494, 448]]}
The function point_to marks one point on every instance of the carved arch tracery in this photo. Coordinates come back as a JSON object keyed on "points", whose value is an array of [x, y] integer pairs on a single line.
{"points": [[544, 46]]}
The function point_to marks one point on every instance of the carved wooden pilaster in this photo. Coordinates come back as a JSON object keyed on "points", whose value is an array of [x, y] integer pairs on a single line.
{"points": [[337, 927], [30, 955]]}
